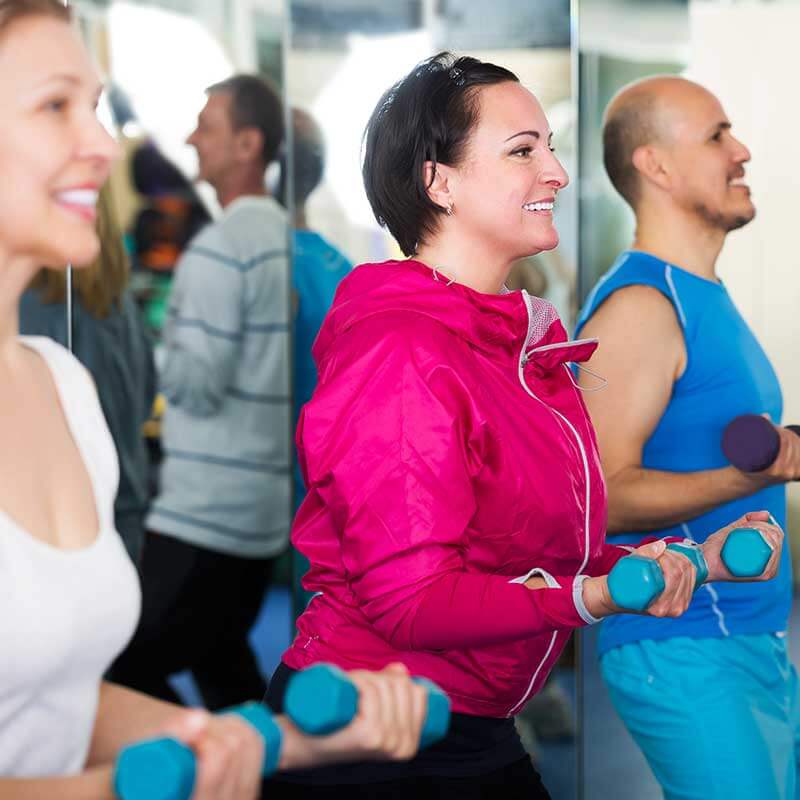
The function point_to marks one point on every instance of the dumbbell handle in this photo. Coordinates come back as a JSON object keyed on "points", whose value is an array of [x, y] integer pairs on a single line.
{"points": [[303, 703], [164, 769], [635, 582]]}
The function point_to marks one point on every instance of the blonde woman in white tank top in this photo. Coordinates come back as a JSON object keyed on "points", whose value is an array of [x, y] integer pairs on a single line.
{"points": [[69, 597]]}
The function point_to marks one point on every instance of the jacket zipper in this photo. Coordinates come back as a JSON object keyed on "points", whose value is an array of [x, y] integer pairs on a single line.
{"points": [[523, 359]]}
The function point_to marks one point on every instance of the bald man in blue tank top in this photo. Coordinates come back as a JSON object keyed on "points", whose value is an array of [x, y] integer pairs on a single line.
{"points": [[711, 698]]}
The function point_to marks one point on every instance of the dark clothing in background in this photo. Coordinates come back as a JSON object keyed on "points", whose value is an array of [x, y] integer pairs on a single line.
{"points": [[117, 352]]}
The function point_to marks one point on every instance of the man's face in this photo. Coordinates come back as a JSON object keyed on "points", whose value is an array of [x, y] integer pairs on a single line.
{"points": [[707, 161], [214, 139]]}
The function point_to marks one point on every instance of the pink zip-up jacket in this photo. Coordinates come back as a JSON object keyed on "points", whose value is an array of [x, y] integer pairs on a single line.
{"points": [[448, 457]]}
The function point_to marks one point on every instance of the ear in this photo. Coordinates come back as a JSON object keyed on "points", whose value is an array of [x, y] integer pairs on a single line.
{"points": [[249, 143], [437, 179], [653, 165]]}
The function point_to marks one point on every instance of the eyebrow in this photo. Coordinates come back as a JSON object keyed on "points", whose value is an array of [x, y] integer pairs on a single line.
{"points": [[721, 126], [535, 134], [65, 77]]}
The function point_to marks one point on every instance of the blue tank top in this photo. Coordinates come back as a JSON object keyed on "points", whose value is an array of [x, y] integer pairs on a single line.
{"points": [[727, 374]]}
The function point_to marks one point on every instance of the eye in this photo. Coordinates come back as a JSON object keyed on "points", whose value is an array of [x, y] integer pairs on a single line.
{"points": [[522, 151], [57, 104], [717, 137]]}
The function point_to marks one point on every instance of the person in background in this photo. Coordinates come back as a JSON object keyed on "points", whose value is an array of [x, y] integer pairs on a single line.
{"points": [[109, 339], [681, 363], [223, 509]]}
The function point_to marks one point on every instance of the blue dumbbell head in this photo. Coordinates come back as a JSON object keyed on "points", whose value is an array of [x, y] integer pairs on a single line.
{"points": [[695, 555], [635, 582], [321, 699], [746, 552], [437, 720], [158, 769], [164, 769]]}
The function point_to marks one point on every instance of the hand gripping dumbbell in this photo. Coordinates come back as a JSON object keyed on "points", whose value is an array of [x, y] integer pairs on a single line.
{"points": [[165, 769], [751, 443], [635, 581], [322, 699]]}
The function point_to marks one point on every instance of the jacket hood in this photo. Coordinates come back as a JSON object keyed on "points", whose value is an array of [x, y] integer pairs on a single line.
{"points": [[496, 324]]}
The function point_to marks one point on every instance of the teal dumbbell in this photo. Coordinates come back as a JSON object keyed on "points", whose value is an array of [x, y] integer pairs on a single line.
{"points": [[746, 552], [165, 769], [635, 581], [322, 699]]}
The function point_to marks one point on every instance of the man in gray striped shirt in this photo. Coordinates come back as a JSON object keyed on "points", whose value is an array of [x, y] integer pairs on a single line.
{"points": [[223, 512]]}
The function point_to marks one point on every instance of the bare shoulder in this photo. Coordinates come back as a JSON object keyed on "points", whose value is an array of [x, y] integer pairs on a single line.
{"points": [[638, 327], [643, 307]]}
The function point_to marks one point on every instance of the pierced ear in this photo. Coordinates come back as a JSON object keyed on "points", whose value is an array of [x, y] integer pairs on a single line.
{"points": [[651, 163], [436, 182]]}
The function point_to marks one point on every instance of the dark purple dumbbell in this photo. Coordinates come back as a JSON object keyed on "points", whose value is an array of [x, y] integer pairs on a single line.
{"points": [[751, 442]]}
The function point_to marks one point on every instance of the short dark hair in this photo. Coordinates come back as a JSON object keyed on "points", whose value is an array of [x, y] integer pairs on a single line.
{"points": [[308, 155], [426, 116], [13, 10], [628, 125], [255, 103]]}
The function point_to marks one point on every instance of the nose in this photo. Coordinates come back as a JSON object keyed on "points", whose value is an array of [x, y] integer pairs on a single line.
{"points": [[190, 139], [554, 175], [99, 146], [741, 153]]}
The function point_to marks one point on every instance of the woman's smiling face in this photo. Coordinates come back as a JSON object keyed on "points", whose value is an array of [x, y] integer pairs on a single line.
{"points": [[507, 184], [54, 153]]}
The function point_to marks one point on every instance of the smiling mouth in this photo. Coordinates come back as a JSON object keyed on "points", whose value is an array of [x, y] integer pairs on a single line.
{"points": [[739, 183], [82, 202], [546, 206]]}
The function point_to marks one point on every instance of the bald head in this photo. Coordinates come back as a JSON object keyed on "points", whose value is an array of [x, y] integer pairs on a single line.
{"points": [[642, 113]]}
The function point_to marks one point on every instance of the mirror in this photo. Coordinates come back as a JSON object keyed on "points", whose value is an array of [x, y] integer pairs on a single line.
{"points": [[207, 321], [620, 41]]}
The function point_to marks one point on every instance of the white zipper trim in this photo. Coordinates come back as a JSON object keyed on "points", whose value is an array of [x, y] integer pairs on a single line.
{"points": [[520, 373]]}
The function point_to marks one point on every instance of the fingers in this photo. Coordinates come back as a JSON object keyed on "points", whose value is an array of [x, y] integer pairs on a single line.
{"points": [[787, 464], [230, 756], [679, 579], [391, 713], [651, 549]]}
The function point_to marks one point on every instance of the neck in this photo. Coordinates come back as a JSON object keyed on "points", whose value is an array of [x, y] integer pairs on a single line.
{"points": [[15, 276], [299, 220], [681, 239], [234, 186], [470, 263]]}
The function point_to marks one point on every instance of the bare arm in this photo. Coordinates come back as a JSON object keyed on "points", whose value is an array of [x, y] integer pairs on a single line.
{"points": [[642, 355]]}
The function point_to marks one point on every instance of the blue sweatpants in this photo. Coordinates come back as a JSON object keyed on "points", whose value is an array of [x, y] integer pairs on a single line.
{"points": [[716, 718]]}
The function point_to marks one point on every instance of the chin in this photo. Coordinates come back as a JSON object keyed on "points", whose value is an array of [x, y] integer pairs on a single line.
{"points": [[76, 254]]}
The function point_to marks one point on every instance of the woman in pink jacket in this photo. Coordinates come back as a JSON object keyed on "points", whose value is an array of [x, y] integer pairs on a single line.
{"points": [[456, 512]]}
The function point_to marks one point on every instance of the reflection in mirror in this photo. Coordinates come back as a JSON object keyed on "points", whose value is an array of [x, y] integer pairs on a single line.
{"points": [[343, 56], [194, 91], [715, 154]]}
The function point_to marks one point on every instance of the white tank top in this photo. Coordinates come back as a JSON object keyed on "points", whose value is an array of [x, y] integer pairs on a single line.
{"points": [[64, 614]]}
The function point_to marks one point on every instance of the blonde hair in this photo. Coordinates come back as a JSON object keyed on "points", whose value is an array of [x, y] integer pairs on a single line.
{"points": [[13, 10], [100, 285]]}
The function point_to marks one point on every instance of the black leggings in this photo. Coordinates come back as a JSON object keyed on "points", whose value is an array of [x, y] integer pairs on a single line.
{"points": [[518, 781], [478, 756]]}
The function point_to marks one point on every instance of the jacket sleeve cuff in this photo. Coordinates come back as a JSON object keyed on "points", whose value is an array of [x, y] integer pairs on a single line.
{"points": [[577, 598], [561, 603]]}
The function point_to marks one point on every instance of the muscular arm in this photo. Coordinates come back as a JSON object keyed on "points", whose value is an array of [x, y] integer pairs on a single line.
{"points": [[642, 354]]}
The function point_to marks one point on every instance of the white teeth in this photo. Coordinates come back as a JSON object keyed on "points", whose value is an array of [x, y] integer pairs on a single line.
{"points": [[538, 206], [737, 182], [79, 197]]}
